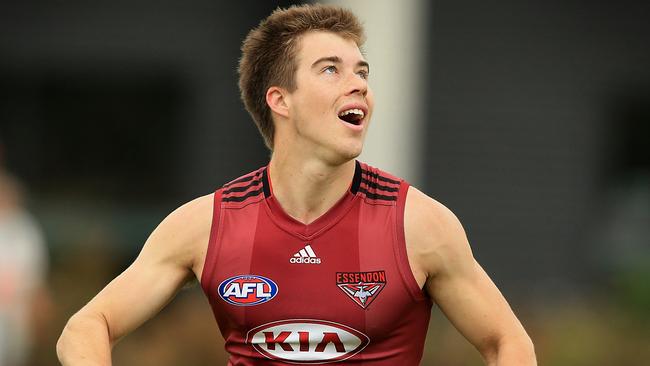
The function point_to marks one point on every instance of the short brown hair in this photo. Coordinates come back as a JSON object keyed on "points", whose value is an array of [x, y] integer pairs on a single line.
{"points": [[269, 52]]}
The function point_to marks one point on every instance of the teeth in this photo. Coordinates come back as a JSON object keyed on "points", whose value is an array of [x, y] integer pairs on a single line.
{"points": [[355, 111]]}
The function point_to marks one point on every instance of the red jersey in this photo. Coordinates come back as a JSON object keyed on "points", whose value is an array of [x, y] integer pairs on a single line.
{"points": [[339, 289]]}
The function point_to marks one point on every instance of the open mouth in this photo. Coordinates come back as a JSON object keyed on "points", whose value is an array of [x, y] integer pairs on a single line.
{"points": [[353, 116]]}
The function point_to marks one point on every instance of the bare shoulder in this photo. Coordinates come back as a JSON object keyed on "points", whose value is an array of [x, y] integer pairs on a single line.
{"points": [[190, 216], [435, 238], [183, 234]]}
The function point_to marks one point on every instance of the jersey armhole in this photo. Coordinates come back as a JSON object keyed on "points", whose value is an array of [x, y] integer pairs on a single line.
{"points": [[213, 245], [400, 249]]}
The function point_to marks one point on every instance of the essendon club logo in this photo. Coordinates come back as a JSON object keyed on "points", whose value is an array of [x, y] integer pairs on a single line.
{"points": [[362, 287]]}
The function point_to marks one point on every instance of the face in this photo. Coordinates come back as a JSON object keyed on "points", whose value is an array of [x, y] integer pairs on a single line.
{"points": [[330, 110]]}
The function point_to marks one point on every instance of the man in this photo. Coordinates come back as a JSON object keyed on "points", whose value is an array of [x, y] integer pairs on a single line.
{"points": [[316, 258]]}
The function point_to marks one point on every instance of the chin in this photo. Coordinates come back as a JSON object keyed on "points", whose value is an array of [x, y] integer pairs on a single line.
{"points": [[337, 152], [339, 155], [343, 154], [354, 153]]}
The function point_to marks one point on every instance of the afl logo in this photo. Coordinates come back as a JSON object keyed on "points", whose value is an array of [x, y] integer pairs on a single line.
{"points": [[247, 290]]}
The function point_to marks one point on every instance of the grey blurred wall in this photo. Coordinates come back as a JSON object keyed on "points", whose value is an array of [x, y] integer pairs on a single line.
{"points": [[527, 114], [179, 57]]}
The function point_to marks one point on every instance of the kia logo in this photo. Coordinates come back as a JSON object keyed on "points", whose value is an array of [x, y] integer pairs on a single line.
{"points": [[307, 341]]}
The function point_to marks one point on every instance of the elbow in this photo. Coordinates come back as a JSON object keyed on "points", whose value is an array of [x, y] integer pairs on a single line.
{"points": [[83, 333], [529, 347], [63, 343], [62, 350], [518, 350]]}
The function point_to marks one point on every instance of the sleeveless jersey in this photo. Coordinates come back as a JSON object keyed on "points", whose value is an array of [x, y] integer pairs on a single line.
{"points": [[339, 289]]}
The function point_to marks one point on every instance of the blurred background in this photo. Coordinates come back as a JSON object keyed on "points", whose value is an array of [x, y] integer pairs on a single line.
{"points": [[528, 119]]}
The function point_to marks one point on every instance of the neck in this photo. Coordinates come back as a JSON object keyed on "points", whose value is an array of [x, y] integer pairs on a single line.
{"points": [[306, 189]]}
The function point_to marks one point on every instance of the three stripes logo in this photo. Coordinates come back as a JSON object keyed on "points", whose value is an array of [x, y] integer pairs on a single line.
{"points": [[305, 255]]}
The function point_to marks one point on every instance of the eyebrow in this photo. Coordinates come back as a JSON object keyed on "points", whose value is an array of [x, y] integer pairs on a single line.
{"points": [[337, 60]]}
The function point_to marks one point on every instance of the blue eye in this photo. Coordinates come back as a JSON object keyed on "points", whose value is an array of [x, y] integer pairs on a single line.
{"points": [[363, 74], [330, 69]]}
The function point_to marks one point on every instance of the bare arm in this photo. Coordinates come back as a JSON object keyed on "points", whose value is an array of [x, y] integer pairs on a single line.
{"points": [[442, 259], [167, 261]]}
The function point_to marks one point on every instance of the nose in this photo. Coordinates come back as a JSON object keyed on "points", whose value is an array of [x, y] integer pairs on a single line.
{"points": [[356, 85]]}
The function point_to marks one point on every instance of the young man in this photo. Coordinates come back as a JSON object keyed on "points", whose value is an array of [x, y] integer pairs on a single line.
{"points": [[315, 258]]}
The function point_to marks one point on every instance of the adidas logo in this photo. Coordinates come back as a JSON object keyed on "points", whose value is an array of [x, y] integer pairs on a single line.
{"points": [[306, 255]]}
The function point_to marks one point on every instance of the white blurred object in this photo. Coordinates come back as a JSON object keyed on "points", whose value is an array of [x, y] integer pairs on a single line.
{"points": [[23, 262]]}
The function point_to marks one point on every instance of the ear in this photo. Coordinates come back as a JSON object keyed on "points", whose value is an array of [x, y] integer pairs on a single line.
{"points": [[276, 100]]}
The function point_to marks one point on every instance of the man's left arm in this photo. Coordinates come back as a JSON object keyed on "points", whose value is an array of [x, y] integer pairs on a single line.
{"points": [[440, 256]]}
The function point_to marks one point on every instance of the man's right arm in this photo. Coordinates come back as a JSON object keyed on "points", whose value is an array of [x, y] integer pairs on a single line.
{"points": [[167, 261]]}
